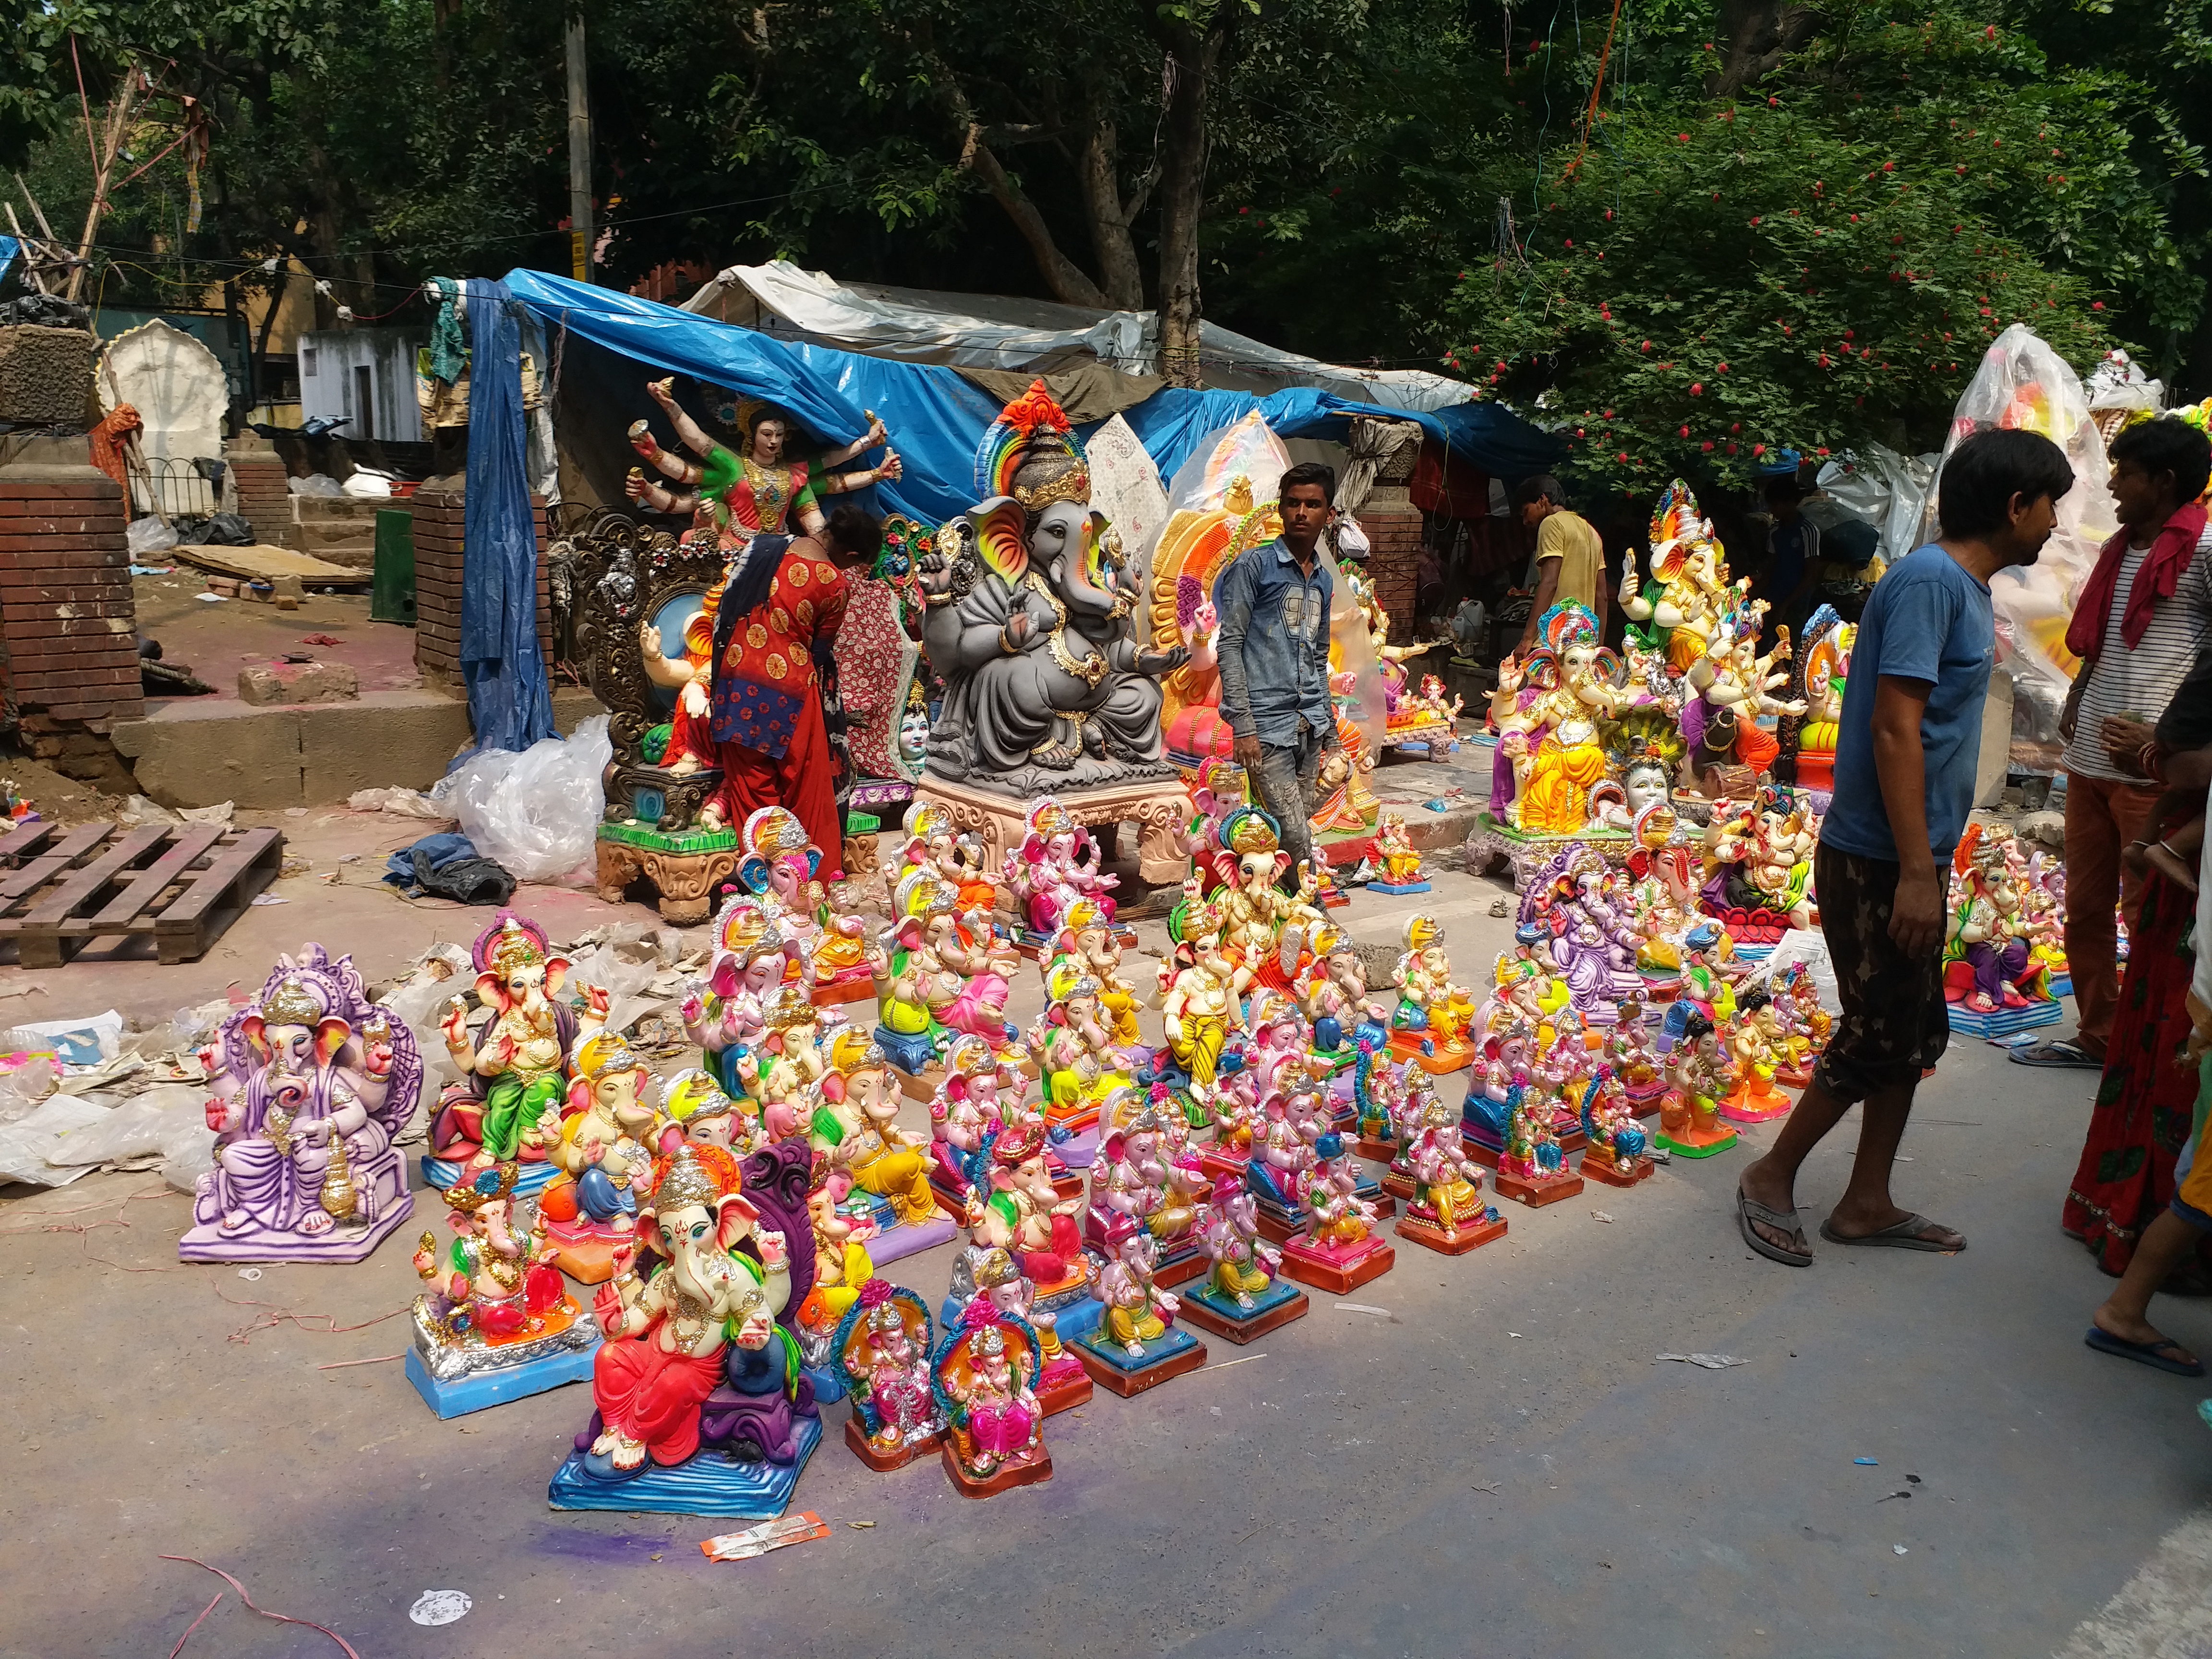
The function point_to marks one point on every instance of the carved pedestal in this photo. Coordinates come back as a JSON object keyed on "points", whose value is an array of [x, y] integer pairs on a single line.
{"points": [[1160, 809], [686, 871]]}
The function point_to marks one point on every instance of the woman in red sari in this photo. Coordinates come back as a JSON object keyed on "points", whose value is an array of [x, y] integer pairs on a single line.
{"points": [[2146, 1101]]}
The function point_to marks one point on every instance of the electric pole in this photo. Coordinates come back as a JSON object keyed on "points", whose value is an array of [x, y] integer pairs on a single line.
{"points": [[580, 155]]}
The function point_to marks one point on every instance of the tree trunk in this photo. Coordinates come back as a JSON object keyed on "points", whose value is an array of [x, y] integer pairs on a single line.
{"points": [[1067, 280], [1099, 169], [1760, 33], [1191, 57]]}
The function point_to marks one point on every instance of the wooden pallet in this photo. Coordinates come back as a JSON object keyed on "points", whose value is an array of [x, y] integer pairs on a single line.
{"points": [[182, 883]]}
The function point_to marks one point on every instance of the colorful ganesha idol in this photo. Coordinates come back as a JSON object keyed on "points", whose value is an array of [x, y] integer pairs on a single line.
{"points": [[1615, 1153], [1137, 1344], [1445, 1211], [1243, 1297], [496, 1322], [1056, 865], [881, 1352], [700, 1406], [779, 865], [1532, 1169], [309, 1083], [984, 1376], [516, 1066], [1338, 1250], [604, 1148]]}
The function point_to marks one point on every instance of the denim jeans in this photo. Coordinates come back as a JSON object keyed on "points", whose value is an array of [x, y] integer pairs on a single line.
{"points": [[1286, 782]]}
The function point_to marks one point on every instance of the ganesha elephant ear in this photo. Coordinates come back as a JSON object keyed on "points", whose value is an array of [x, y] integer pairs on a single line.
{"points": [[556, 971], [754, 872], [330, 1035], [1001, 528], [491, 991], [735, 1218], [252, 1027]]}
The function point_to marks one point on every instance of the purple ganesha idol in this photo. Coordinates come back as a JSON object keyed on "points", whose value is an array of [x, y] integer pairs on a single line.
{"points": [[309, 1083]]}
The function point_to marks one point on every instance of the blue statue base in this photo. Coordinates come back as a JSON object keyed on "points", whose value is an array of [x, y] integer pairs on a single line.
{"points": [[443, 1172], [2062, 984], [1174, 1353], [2005, 1021], [484, 1389], [1396, 888], [909, 1052], [1272, 1308], [829, 1387], [706, 1484]]}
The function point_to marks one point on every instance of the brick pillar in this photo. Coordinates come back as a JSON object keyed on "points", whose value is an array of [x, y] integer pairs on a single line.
{"points": [[68, 621], [1393, 525], [440, 517], [264, 498]]}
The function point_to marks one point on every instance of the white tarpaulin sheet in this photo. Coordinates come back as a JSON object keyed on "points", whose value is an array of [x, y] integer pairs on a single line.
{"points": [[977, 330]]}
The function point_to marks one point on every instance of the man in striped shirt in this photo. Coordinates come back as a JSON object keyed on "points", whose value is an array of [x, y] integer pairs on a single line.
{"points": [[2141, 618]]}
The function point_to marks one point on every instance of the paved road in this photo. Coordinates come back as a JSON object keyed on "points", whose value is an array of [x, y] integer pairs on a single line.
{"points": [[1498, 1467]]}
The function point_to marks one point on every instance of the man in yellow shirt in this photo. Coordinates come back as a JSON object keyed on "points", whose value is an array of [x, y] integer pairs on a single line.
{"points": [[1569, 556]]}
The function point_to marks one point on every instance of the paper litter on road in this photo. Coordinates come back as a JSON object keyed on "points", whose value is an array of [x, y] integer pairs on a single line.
{"points": [[769, 1535], [440, 1606], [1711, 1362], [270, 898], [1362, 1307]]}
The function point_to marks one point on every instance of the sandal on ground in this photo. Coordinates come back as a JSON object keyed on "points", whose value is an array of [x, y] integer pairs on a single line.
{"points": [[2061, 1052], [1905, 1235], [1748, 1210], [2152, 1354]]}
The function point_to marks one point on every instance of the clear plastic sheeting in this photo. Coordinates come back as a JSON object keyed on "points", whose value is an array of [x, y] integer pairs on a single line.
{"points": [[534, 813], [2023, 384], [1880, 487]]}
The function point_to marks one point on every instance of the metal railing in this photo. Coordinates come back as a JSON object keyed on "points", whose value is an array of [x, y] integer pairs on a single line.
{"points": [[178, 488]]}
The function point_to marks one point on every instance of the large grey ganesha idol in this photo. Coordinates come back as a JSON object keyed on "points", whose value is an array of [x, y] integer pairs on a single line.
{"points": [[1031, 601], [309, 1083]]}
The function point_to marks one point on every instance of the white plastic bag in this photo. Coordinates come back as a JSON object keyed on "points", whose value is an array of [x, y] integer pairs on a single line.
{"points": [[534, 814], [149, 535], [408, 803], [366, 486], [315, 483]]}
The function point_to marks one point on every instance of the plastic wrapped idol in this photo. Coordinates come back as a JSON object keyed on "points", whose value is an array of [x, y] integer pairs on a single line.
{"points": [[307, 1084], [700, 1405]]}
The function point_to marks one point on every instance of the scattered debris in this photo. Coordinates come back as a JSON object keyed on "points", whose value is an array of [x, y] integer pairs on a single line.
{"points": [[1898, 1548], [260, 899], [1362, 1307], [1600, 1215], [859, 1526], [1914, 1478], [249, 1274], [1867, 1462], [1710, 1362], [769, 1535], [1485, 1485], [440, 1606]]}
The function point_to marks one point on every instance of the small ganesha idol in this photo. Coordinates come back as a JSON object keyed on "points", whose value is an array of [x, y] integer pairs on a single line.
{"points": [[1401, 862], [881, 1353], [984, 1376], [1338, 1250], [702, 1406], [1137, 1345], [1445, 1212], [1242, 1298], [1056, 865], [1616, 1153], [309, 1083], [1532, 1167], [496, 1322]]}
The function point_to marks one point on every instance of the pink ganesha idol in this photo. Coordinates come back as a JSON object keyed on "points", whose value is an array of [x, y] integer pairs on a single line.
{"points": [[309, 1083], [778, 865], [1057, 863], [984, 1377]]}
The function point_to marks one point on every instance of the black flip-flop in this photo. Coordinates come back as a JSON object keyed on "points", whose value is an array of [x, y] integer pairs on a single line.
{"points": [[2143, 1353], [1748, 1210], [1900, 1235], [2061, 1053]]}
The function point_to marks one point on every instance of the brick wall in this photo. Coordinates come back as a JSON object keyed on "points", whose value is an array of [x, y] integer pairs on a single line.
{"points": [[438, 519], [263, 496], [1393, 525], [66, 619]]}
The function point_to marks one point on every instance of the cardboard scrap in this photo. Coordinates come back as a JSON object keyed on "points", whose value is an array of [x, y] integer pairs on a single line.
{"points": [[263, 564], [769, 1535]]}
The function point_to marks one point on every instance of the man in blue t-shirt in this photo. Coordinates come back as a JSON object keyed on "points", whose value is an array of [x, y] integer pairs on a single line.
{"points": [[1905, 758]]}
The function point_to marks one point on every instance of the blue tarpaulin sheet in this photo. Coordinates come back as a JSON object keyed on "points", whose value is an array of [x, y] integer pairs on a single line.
{"points": [[937, 417], [510, 704]]}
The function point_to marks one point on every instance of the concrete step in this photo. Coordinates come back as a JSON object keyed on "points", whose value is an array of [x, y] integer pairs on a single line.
{"points": [[338, 509]]}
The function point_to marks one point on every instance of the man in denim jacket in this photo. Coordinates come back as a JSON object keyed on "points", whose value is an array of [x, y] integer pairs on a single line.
{"points": [[1273, 604]]}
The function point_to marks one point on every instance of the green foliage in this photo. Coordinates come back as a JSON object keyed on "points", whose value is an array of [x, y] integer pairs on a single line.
{"points": [[1820, 266]]}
